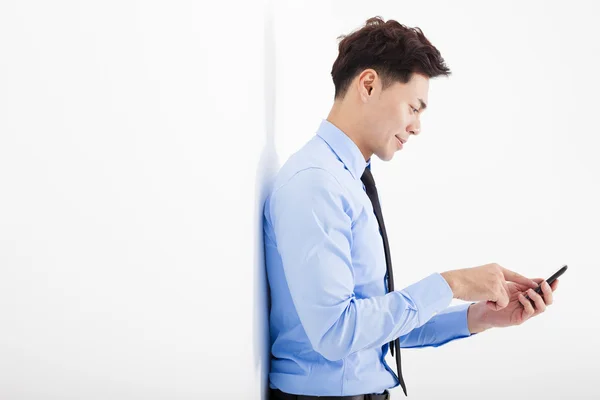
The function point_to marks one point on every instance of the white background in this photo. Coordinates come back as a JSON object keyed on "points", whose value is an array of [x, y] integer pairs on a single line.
{"points": [[137, 142]]}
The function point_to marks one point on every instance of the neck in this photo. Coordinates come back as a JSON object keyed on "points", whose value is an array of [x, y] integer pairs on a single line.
{"points": [[347, 123]]}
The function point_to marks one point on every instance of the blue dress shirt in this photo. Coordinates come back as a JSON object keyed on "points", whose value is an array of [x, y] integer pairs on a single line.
{"points": [[331, 317]]}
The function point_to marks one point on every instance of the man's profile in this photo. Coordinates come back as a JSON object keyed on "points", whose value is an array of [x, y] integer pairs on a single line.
{"points": [[334, 311]]}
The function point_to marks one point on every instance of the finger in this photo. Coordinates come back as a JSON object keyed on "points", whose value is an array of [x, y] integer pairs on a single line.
{"points": [[527, 307], [547, 293], [518, 278], [523, 288], [553, 286], [537, 300]]}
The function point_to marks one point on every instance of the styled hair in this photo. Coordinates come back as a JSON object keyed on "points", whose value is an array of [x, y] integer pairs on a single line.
{"points": [[390, 48]]}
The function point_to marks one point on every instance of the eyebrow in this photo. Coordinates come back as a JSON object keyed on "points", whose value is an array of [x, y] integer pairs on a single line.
{"points": [[423, 105]]}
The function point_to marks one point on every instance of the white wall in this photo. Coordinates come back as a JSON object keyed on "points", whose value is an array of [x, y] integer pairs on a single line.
{"points": [[133, 151], [137, 142]]}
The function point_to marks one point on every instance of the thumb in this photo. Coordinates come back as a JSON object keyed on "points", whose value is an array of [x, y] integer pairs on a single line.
{"points": [[502, 297], [492, 305]]}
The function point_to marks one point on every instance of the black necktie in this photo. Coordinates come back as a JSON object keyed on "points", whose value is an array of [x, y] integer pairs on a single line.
{"points": [[367, 179]]}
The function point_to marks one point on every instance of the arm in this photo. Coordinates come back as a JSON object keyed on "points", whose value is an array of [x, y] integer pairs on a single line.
{"points": [[313, 234]]}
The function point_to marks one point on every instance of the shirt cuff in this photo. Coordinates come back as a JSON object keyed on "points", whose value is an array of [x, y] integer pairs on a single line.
{"points": [[430, 296], [452, 323]]}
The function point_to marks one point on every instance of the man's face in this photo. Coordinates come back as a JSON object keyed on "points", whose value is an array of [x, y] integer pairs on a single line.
{"points": [[393, 114]]}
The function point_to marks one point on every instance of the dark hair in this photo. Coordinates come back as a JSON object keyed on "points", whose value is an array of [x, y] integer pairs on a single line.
{"points": [[390, 48]]}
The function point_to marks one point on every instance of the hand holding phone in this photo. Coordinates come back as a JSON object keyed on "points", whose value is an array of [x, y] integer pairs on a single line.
{"points": [[554, 276]]}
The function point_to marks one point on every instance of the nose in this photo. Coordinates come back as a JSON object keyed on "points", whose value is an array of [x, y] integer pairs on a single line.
{"points": [[415, 127], [415, 131]]}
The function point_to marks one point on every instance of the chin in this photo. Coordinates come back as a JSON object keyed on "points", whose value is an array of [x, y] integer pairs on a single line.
{"points": [[385, 156]]}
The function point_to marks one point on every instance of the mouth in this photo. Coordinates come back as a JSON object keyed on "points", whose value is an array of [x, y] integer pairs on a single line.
{"points": [[399, 141]]}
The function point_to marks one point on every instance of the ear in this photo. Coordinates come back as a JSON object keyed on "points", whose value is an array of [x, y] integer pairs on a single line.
{"points": [[366, 83]]}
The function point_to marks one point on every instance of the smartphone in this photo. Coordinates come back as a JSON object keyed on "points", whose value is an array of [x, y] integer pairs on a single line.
{"points": [[558, 273]]}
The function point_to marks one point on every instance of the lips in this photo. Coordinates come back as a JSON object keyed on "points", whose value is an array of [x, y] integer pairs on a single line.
{"points": [[399, 142]]}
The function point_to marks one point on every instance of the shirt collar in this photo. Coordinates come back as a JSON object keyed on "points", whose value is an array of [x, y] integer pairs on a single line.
{"points": [[344, 148]]}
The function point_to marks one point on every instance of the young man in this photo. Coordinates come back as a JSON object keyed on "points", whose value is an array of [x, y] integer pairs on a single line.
{"points": [[334, 310]]}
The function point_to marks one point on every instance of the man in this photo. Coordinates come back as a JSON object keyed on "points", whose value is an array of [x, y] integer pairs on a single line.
{"points": [[334, 311]]}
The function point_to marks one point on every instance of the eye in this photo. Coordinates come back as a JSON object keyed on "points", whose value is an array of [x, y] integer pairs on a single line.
{"points": [[414, 109]]}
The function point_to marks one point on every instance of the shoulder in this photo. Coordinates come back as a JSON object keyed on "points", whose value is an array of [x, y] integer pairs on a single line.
{"points": [[308, 193], [310, 179], [309, 183], [313, 167]]}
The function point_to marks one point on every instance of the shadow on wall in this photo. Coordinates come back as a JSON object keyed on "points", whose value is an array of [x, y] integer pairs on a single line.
{"points": [[268, 166]]}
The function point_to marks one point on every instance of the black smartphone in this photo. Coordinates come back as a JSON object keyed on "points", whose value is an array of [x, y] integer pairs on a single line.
{"points": [[558, 273]]}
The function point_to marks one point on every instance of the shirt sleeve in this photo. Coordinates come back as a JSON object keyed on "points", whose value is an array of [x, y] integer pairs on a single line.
{"points": [[448, 325], [312, 225]]}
